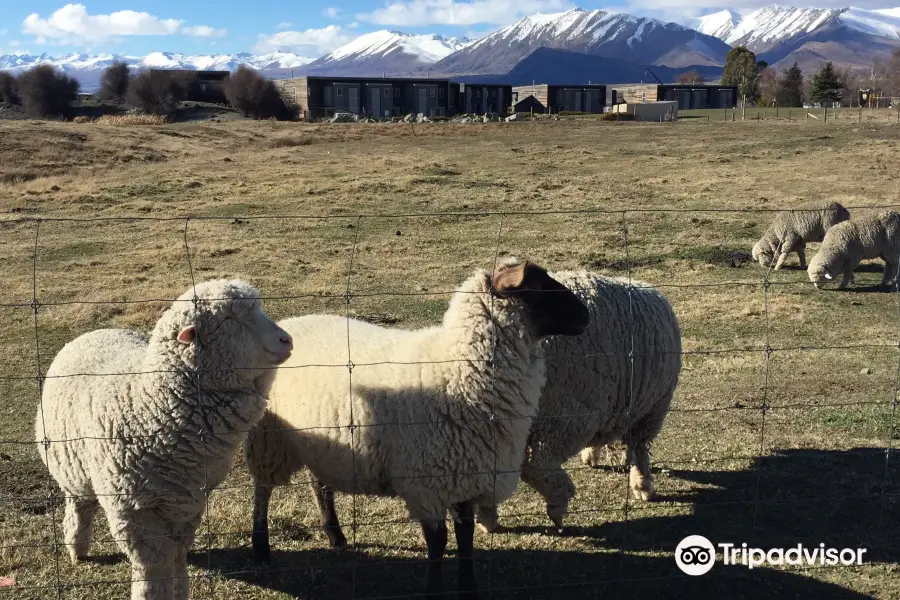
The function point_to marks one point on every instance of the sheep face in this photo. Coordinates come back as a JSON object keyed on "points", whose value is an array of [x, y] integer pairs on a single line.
{"points": [[226, 330], [553, 309], [819, 274], [762, 254]]}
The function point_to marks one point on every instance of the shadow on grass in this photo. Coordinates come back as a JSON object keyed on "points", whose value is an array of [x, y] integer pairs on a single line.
{"points": [[848, 499]]}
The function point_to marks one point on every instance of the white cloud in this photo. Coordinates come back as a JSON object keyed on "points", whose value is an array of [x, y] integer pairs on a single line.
{"points": [[331, 12], [418, 13], [72, 24], [284, 25], [312, 42], [203, 31]]}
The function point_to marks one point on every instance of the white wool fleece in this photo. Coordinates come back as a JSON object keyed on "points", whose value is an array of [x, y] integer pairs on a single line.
{"points": [[849, 243]]}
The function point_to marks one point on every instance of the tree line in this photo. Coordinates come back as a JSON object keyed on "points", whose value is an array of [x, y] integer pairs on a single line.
{"points": [[762, 85], [45, 92]]}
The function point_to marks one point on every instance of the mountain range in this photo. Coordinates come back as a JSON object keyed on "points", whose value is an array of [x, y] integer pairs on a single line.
{"points": [[626, 43]]}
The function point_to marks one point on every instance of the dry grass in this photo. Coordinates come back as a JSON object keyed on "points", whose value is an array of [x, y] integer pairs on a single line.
{"points": [[131, 120], [810, 468]]}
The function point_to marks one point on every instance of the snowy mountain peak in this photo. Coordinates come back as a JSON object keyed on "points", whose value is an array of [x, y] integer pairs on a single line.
{"points": [[426, 49], [719, 24]]}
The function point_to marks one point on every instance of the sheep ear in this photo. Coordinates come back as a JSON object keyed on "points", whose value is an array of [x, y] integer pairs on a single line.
{"points": [[828, 276], [187, 335], [510, 278]]}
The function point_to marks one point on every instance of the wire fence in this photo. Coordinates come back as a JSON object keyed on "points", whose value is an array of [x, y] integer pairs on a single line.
{"points": [[761, 501]]}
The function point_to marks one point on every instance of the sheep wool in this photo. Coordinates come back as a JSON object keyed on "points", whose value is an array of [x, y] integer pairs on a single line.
{"points": [[597, 394], [849, 243], [792, 230], [437, 416], [146, 426]]}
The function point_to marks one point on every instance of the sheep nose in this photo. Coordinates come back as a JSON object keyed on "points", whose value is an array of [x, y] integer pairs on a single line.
{"points": [[287, 340]]}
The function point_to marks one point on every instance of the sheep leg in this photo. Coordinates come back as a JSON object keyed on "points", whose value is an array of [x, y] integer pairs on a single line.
{"points": [[150, 549], [788, 244], [180, 571], [847, 278], [328, 515], [435, 533], [801, 254], [640, 480], [464, 529], [262, 495], [78, 525], [554, 484]]}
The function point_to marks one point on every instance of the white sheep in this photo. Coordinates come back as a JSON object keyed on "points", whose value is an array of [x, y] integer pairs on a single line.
{"points": [[849, 243], [437, 416], [791, 230], [597, 394], [146, 426]]}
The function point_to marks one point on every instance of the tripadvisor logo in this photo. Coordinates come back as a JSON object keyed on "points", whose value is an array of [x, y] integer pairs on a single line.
{"points": [[695, 555]]}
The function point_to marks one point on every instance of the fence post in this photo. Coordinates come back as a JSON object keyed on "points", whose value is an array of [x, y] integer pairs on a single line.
{"points": [[826, 113], [859, 116], [744, 108]]}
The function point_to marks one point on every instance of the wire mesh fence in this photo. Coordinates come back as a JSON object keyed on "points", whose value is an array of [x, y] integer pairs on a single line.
{"points": [[775, 437]]}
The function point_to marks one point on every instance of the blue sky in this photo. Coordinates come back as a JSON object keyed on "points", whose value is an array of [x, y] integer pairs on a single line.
{"points": [[137, 27]]}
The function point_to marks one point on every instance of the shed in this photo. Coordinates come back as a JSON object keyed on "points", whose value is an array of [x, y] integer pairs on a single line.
{"points": [[650, 111], [321, 97], [586, 98]]}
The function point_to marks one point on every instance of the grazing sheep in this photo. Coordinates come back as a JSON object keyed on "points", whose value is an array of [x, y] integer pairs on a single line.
{"points": [[437, 416], [146, 426], [792, 230], [596, 395], [849, 243]]}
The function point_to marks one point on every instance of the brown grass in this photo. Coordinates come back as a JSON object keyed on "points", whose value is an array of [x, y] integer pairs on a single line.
{"points": [[131, 120], [809, 468]]}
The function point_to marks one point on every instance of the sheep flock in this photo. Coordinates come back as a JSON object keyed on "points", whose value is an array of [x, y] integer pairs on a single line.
{"points": [[528, 368]]}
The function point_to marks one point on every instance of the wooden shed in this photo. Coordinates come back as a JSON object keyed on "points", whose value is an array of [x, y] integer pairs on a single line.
{"points": [[586, 98], [482, 99], [322, 97], [634, 93]]}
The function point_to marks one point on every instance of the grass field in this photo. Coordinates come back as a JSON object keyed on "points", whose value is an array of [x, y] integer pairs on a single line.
{"points": [[768, 448]]}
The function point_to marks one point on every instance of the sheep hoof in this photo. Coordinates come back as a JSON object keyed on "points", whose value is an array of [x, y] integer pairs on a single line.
{"points": [[557, 514], [644, 495], [491, 528]]}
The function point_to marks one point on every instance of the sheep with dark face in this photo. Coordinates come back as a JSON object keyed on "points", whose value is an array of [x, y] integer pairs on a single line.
{"points": [[851, 242], [793, 229], [146, 426], [440, 415]]}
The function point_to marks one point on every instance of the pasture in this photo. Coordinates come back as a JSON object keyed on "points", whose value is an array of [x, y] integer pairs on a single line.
{"points": [[783, 429]]}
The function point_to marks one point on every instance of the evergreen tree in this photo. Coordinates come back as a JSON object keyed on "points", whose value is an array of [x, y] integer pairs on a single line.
{"points": [[826, 85], [742, 70], [790, 87]]}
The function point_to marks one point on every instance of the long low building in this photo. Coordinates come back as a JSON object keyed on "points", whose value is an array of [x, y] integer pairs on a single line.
{"points": [[688, 96], [583, 98], [321, 97]]}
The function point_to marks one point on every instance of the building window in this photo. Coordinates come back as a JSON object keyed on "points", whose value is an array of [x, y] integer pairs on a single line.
{"points": [[339, 91], [441, 93], [387, 92], [431, 93], [396, 92]]}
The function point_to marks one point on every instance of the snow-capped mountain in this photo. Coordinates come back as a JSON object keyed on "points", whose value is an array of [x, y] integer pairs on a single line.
{"points": [[719, 24], [89, 68], [387, 52], [852, 36], [596, 32]]}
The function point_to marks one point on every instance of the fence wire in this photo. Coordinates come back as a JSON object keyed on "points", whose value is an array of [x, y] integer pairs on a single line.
{"points": [[316, 572]]}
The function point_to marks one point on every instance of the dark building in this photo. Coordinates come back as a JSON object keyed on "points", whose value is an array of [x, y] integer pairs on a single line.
{"points": [[320, 97], [698, 96], [482, 99], [529, 104], [584, 98]]}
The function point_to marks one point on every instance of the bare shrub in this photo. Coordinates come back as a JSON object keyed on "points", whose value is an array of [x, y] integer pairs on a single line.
{"points": [[8, 88], [255, 96], [156, 92], [47, 93], [114, 83], [81, 119]]}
